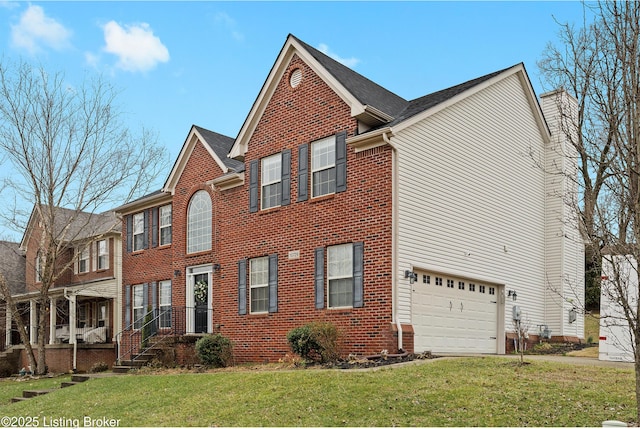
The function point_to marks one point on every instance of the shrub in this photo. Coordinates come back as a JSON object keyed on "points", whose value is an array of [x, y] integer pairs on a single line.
{"points": [[316, 341], [98, 367], [215, 350], [6, 369]]}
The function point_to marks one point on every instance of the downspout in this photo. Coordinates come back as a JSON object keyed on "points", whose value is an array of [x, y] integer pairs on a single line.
{"points": [[72, 332], [394, 234]]}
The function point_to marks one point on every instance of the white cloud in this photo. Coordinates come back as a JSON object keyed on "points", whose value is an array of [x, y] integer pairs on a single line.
{"points": [[135, 46], [230, 24], [36, 30], [349, 62]]}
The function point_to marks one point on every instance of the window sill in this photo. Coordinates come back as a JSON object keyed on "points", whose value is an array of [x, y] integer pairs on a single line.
{"points": [[269, 210], [203, 252], [164, 246], [258, 315], [322, 198]]}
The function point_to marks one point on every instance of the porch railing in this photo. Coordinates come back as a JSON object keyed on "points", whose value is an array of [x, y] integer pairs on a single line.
{"points": [[157, 325]]}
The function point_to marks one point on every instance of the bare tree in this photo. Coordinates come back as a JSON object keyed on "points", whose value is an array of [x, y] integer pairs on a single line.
{"points": [[600, 64], [68, 148]]}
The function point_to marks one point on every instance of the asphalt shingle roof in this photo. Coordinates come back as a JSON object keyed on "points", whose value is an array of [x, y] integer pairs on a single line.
{"points": [[221, 145]]}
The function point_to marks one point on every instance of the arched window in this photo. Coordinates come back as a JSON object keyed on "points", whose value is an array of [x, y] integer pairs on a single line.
{"points": [[199, 223]]}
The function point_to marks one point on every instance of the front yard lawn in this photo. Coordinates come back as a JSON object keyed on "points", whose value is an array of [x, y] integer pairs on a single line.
{"points": [[488, 391]]}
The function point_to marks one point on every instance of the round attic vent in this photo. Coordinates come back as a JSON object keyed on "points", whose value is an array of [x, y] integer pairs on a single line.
{"points": [[295, 78]]}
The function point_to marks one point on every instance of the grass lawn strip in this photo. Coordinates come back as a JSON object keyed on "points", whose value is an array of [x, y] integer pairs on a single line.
{"points": [[10, 388], [489, 391]]}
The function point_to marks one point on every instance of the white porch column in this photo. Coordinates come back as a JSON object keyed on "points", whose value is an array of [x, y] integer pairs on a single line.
{"points": [[52, 320], [33, 322], [7, 325], [72, 319]]}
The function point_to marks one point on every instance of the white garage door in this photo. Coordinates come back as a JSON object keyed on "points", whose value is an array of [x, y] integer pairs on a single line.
{"points": [[452, 315]]}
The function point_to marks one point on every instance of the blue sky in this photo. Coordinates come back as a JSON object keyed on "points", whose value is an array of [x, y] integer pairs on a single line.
{"points": [[203, 63]]}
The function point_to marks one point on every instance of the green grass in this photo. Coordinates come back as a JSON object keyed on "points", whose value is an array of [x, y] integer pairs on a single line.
{"points": [[592, 327], [445, 392], [10, 388]]}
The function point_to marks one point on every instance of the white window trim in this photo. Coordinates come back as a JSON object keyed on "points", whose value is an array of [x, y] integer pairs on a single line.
{"points": [[338, 277], [264, 183], [317, 169], [135, 307], [100, 253], [81, 257], [138, 229], [161, 303], [259, 285], [163, 226], [195, 243]]}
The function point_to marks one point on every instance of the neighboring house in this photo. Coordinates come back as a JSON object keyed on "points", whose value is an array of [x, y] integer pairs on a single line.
{"points": [[408, 224], [84, 308], [619, 284], [12, 266]]}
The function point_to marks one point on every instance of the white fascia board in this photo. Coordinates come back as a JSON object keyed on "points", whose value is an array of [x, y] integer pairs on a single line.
{"points": [[145, 203], [185, 153], [290, 48]]}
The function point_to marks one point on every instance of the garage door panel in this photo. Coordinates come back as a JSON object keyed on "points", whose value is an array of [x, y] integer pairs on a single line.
{"points": [[454, 315]]}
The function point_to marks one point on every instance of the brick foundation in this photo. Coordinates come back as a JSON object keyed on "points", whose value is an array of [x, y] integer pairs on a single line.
{"points": [[59, 357]]}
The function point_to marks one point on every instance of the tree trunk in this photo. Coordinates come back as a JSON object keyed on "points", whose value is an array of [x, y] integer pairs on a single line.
{"points": [[42, 334]]}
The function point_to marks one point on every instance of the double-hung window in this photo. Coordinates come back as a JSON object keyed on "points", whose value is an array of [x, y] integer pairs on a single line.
{"points": [[138, 306], [343, 283], [340, 275], [271, 188], [102, 252], [83, 260], [138, 231], [165, 225], [39, 267], [164, 303], [259, 284], [323, 166]]}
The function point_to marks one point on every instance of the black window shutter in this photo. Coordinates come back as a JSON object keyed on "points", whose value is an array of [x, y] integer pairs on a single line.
{"points": [[242, 286], [358, 277], [145, 236], [154, 227], [154, 297], [145, 297], [154, 307], [253, 186], [285, 195], [319, 277], [273, 283], [127, 306], [303, 172], [341, 161], [129, 233]]}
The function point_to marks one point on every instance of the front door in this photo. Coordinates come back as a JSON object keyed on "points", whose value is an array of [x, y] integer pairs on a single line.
{"points": [[201, 299], [199, 306]]}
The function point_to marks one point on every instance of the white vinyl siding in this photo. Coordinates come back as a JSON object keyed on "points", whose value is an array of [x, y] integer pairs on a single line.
{"points": [[467, 193]]}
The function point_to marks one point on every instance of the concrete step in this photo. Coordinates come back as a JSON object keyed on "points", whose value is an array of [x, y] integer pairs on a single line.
{"points": [[123, 369], [34, 393], [17, 399], [80, 378], [68, 384]]}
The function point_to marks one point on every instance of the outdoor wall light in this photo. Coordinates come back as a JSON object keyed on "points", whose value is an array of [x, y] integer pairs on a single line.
{"points": [[512, 294], [413, 277]]}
